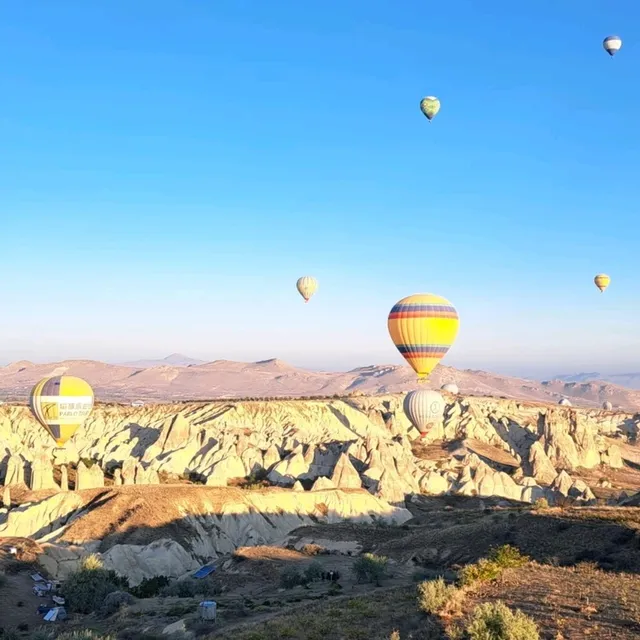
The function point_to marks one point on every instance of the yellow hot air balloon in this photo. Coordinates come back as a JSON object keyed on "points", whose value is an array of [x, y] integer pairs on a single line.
{"points": [[61, 404], [423, 327], [307, 287], [602, 281]]}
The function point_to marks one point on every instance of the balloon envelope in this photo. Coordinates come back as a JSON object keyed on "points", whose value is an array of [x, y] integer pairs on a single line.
{"points": [[61, 404], [424, 408], [564, 402], [306, 286], [430, 106], [607, 406], [423, 327], [612, 44], [451, 387], [602, 281]]}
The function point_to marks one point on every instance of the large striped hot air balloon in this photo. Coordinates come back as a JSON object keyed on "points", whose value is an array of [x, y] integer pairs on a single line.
{"points": [[306, 286], [423, 327], [602, 281], [61, 404]]}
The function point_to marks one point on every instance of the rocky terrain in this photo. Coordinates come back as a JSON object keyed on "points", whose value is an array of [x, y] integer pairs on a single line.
{"points": [[178, 378], [252, 486], [312, 461]]}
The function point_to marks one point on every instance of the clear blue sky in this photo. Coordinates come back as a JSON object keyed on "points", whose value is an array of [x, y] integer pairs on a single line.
{"points": [[168, 169]]}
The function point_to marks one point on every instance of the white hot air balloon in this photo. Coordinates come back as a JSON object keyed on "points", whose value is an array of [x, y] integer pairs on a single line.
{"points": [[451, 387], [612, 44], [607, 406], [564, 402], [306, 286], [424, 408]]}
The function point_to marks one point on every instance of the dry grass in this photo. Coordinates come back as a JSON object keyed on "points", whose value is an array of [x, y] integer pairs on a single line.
{"points": [[373, 617], [571, 603]]}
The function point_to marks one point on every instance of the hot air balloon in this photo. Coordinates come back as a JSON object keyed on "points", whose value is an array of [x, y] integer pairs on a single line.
{"points": [[612, 44], [607, 406], [424, 408], [602, 281], [430, 107], [307, 287], [451, 387], [564, 402], [423, 327], [61, 404]]}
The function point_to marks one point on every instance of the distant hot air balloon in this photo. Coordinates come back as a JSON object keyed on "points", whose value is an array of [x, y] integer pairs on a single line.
{"points": [[430, 107], [451, 387], [307, 287], [602, 281], [607, 406], [424, 408], [564, 402], [423, 327], [612, 44], [61, 404]]}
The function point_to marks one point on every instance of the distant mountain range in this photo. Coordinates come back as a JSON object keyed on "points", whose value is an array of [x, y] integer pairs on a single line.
{"points": [[178, 377], [175, 360], [630, 380]]}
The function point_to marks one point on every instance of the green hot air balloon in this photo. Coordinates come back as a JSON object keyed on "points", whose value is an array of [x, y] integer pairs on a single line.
{"points": [[430, 107]]}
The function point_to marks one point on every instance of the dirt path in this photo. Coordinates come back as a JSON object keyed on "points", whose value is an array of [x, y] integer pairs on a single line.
{"points": [[18, 604]]}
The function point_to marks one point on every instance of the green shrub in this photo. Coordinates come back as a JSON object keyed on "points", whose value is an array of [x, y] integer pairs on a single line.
{"points": [[91, 562], [86, 590], [482, 571], [290, 578], [114, 601], [508, 557], [313, 572], [370, 568], [190, 587], [13, 567], [495, 621], [9, 634], [541, 503], [150, 587], [435, 596]]}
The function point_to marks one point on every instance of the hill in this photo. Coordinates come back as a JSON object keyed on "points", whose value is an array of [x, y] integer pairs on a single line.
{"points": [[630, 380], [277, 379]]}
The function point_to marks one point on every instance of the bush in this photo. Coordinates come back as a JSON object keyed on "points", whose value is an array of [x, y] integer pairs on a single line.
{"points": [[150, 587], [435, 596], [3, 579], [290, 578], [482, 571], [86, 589], [13, 567], [91, 562], [114, 601], [541, 503], [9, 634], [370, 568], [313, 572], [190, 587], [508, 557], [495, 621]]}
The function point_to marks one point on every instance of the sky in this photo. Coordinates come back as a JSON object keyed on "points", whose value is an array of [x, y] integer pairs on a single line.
{"points": [[168, 169]]}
